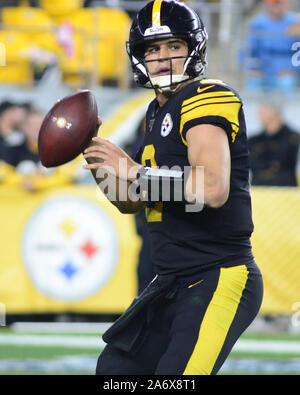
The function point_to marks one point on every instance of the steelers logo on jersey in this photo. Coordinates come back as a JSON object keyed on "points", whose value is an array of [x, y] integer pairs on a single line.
{"points": [[167, 125]]}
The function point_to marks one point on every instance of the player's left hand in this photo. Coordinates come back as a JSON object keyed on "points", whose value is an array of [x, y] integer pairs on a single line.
{"points": [[106, 155]]}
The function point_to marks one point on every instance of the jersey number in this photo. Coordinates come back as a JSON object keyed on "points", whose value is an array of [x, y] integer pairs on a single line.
{"points": [[148, 159]]}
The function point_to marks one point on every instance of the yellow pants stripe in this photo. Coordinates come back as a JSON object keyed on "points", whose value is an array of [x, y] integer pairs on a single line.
{"points": [[217, 320]]}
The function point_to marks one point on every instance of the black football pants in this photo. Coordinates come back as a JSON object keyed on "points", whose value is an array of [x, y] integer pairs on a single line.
{"points": [[193, 333]]}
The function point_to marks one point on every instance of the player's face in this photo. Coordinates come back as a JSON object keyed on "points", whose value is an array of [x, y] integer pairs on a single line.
{"points": [[159, 53]]}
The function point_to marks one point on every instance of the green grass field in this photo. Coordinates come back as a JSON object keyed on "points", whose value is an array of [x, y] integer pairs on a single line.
{"points": [[76, 353]]}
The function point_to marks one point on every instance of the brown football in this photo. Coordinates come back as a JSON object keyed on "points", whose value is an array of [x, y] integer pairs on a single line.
{"points": [[67, 128]]}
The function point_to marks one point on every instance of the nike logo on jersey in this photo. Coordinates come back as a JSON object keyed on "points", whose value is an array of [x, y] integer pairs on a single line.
{"points": [[192, 285], [200, 90]]}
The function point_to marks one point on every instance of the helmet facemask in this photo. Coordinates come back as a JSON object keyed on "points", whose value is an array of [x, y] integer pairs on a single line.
{"points": [[194, 65], [168, 82], [161, 20]]}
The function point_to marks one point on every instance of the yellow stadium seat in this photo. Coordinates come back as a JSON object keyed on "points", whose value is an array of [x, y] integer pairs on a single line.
{"points": [[17, 67], [113, 29], [8, 174], [15, 44], [57, 8], [99, 45], [16, 73], [79, 64], [99, 36], [25, 16], [35, 22]]}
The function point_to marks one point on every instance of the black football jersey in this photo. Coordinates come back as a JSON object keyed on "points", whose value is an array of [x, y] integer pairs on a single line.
{"points": [[183, 242]]}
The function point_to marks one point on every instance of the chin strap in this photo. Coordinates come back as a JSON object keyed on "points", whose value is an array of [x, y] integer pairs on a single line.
{"points": [[167, 83]]}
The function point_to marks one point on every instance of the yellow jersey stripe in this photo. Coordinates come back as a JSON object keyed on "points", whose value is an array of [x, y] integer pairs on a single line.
{"points": [[217, 320], [153, 214], [182, 138], [229, 111], [203, 102], [209, 95], [156, 10]]}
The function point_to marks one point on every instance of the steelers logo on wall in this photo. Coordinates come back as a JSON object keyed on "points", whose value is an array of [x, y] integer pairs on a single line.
{"points": [[70, 248]]}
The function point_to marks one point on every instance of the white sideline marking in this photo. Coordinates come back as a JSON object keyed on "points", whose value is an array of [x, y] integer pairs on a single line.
{"points": [[96, 342], [44, 340], [272, 346], [85, 327]]}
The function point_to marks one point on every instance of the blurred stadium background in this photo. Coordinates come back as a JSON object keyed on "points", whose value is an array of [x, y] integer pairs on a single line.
{"points": [[68, 259]]}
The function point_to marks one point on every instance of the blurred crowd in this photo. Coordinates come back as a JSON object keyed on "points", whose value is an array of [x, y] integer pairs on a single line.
{"points": [[268, 53], [19, 159], [275, 150], [271, 59], [271, 53]]}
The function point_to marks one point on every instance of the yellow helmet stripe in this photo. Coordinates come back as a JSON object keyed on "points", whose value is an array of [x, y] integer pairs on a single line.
{"points": [[156, 13]]}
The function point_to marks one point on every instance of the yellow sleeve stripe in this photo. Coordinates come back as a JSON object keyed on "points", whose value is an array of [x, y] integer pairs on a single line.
{"points": [[209, 102], [206, 96], [228, 110], [156, 11]]}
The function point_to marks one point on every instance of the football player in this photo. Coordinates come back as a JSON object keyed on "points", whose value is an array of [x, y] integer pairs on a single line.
{"points": [[208, 289]]}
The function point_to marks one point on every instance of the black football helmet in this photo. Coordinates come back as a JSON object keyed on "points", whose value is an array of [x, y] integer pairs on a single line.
{"points": [[161, 19]]}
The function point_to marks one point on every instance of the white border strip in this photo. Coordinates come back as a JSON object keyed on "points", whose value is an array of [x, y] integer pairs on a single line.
{"points": [[71, 327], [95, 342]]}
